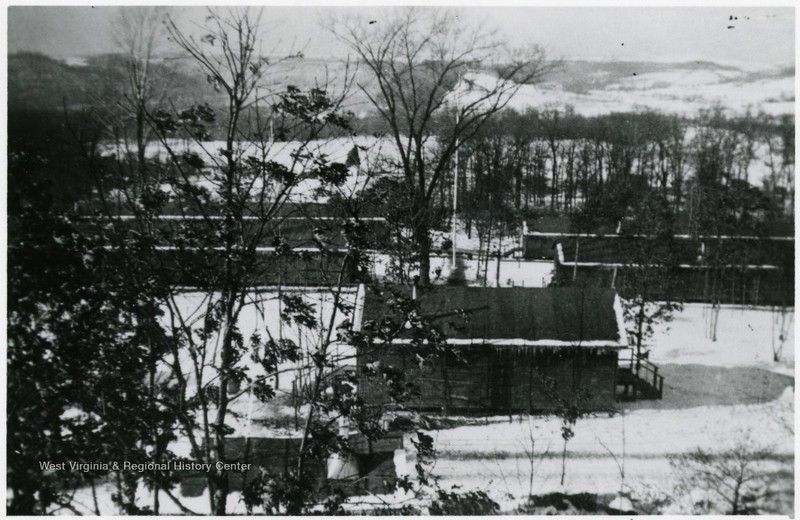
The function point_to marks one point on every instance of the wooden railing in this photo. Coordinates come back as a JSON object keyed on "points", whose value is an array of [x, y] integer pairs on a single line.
{"points": [[643, 369]]}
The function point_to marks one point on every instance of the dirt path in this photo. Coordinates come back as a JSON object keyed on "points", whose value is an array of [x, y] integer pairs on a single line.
{"points": [[689, 386]]}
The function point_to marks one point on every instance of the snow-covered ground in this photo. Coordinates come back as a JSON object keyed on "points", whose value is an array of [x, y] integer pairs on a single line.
{"points": [[745, 337], [641, 440], [84, 502], [718, 394], [513, 272], [472, 266], [629, 452], [638, 444]]}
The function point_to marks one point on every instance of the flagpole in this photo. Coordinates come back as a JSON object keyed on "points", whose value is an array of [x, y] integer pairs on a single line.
{"points": [[455, 171]]}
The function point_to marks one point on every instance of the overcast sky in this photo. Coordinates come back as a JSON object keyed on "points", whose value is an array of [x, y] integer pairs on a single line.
{"points": [[759, 36]]}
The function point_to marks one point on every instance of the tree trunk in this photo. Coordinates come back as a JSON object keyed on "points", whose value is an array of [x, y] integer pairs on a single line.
{"points": [[488, 255], [499, 254], [735, 504], [639, 334], [554, 180], [156, 443], [423, 241], [140, 142]]}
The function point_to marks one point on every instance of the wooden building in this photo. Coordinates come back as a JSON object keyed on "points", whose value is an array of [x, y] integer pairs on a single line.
{"points": [[508, 350], [728, 269], [372, 465]]}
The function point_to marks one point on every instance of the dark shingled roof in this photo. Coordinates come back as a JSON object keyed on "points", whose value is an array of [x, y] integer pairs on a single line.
{"points": [[544, 315]]}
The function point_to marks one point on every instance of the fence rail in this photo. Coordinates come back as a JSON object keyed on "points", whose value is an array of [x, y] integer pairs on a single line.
{"points": [[642, 369]]}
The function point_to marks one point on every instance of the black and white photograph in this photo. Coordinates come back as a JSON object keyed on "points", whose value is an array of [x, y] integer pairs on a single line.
{"points": [[399, 260]]}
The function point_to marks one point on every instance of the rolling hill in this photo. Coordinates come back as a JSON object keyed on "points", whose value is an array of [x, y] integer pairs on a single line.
{"points": [[36, 81]]}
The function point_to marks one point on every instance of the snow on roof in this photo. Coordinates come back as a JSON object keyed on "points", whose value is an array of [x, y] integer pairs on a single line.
{"points": [[517, 316], [375, 154], [336, 149]]}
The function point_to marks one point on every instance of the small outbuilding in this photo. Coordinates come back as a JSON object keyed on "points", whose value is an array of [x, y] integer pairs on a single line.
{"points": [[508, 350]]}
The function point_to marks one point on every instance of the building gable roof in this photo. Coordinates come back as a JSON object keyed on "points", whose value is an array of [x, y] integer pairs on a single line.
{"points": [[574, 317]]}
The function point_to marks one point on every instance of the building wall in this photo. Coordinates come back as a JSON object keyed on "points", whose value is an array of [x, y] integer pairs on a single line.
{"points": [[728, 286], [376, 472], [498, 379], [733, 285]]}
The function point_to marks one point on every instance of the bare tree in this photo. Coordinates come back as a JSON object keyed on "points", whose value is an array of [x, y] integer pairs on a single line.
{"points": [[416, 58], [203, 220], [202, 224], [782, 321], [777, 137], [138, 32], [250, 187], [734, 480]]}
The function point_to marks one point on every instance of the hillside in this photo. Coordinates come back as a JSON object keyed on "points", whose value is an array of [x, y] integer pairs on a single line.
{"points": [[595, 88], [39, 82], [36, 81]]}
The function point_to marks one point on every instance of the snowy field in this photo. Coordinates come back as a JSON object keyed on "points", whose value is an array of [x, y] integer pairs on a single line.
{"points": [[746, 337], [629, 451], [513, 272], [677, 91]]}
